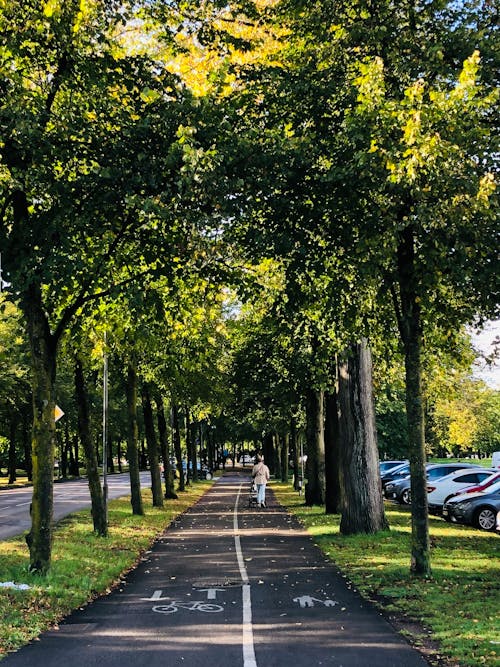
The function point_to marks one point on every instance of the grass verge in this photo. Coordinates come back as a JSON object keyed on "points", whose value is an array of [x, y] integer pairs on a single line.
{"points": [[454, 615], [84, 565]]}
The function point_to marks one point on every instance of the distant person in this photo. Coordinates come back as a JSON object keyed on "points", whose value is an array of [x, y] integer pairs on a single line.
{"points": [[260, 474]]}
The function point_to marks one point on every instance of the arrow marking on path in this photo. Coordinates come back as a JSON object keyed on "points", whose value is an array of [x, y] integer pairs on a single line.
{"points": [[156, 596], [211, 592]]}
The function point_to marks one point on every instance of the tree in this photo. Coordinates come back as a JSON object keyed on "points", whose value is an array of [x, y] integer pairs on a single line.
{"points": [[362, 502], [89, 165]]}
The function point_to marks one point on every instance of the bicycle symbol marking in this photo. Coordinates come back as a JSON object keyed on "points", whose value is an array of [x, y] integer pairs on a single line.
{"points": [[174, 606]]}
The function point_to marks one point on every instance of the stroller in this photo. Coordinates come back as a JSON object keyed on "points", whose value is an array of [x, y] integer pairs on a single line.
{"points": [[252, 495]]}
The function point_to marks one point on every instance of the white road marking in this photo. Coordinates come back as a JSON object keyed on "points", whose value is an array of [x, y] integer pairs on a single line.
{"points": [[156, 595], [211, 592], [308, 601], [247, 629]]}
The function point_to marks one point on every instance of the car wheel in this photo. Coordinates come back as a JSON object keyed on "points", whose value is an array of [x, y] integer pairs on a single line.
{"points": [[406, 497], [485, 518]]}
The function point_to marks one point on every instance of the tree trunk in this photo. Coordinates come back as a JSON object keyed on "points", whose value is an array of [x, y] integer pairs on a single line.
{"points": [[362, 502], [294, 450], [268, 451], [43, 366], [315, 466], [152, 446], [27, 451], [164, 449], [285, 445], [132, 434], [176, 435], [332, 455], [191, 439], [98, 508], [190, 470], [411, 333], [12, 464]]}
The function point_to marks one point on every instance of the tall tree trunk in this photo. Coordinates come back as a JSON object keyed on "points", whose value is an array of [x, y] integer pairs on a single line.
{"points": [[96, 494], [190, 471], [285, 446], [332, 455], [132, 435], [28, 466], [176, 435], [152, 446], [315, 487], [43, 350], [294, 450], [362, 502], [12, 465], [76, 444], [268, 451], [191, 442], [165, 449], [109, 450], [410, 326]]}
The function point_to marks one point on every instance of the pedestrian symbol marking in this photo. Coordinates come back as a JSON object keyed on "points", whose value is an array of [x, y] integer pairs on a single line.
{"points": [[308, 601]]}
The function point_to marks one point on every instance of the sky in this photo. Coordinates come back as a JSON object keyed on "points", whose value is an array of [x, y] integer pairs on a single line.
{"points": [[485, 342]]}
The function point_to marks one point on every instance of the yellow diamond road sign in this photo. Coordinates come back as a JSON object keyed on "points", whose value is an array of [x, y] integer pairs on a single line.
{"points": [[58, 413]]}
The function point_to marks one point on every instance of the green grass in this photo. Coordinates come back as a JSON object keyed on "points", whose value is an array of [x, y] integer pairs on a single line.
{"points": [[458, 606], [83, 564]]}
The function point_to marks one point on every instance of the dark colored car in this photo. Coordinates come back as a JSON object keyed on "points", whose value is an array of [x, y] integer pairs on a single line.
{"points": [[477, 510], [385, 466], [395, 473], [399, 489]]}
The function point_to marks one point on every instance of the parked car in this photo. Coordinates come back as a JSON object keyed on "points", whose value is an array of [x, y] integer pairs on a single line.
{"points": [[399, 490], [385, 466], [245, 459], [487, 486], [479, 509], [466, 494], [439, 491], [395, 473]]}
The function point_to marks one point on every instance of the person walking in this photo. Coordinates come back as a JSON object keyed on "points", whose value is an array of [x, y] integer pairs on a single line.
{"points": [[260, 474]]}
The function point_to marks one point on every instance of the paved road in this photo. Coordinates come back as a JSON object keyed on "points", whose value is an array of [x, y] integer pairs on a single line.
{"points": [[227, 584], [68, 497]]}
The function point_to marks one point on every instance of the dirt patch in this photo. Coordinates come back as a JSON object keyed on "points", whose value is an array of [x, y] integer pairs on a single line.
{"points": [[416, 633]]}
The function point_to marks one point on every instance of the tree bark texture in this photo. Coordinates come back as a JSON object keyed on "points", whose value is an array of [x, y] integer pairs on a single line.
{"points": [[96, 494], [285, 446], [332, 455], [176, 435], [362, 502], [168, 475], [43, 363], [315, 445], [294, 450], [152, 446], [132, 437], [12, 464], [411, 333]]}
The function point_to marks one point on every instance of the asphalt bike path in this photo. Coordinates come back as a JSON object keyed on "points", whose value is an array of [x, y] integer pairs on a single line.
{"points": [[226, 584]]}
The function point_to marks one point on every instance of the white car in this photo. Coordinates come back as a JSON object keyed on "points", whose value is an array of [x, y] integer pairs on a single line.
{"points": [[439, 491]]}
